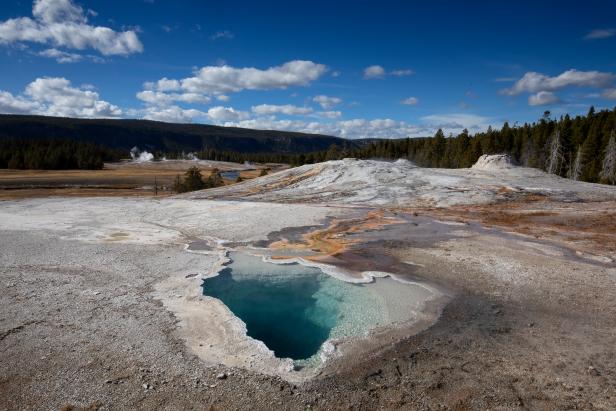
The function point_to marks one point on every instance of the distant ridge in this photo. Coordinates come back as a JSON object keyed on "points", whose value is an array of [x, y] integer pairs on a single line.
{"points": [[154, 135]]}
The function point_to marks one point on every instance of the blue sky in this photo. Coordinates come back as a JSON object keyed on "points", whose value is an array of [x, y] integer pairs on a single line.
{"points": [[391, 69]]}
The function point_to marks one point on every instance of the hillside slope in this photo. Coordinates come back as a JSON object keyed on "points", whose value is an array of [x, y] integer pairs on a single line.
{"points": [[154, 135]]}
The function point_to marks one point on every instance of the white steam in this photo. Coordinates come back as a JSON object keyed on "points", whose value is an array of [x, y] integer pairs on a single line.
{"points": [[140, 156]]}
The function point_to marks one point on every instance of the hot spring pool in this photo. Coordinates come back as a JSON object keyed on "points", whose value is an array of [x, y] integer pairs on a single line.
{"points": [[294, 309]]}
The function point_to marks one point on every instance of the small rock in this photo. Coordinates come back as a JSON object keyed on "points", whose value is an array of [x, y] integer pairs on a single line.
{"points": [[593, 371], [221, 376], [145, 386]]}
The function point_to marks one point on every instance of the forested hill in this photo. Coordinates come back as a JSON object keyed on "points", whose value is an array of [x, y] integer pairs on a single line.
{"points": [[163, 137]]}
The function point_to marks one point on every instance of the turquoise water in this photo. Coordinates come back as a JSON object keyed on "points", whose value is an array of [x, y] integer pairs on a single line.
{"points": [[282, 312], [294, 309]]}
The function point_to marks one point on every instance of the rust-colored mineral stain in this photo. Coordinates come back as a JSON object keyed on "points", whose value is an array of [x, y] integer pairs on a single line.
{"points": [[334, 239]]}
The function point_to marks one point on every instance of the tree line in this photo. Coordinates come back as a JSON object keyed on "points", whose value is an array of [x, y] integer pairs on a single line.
{"points": [[581, 148], [55, 154]]}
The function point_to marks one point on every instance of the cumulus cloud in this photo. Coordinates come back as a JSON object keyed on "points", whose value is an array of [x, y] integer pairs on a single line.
{"points": [[543, 98], [355, 128], [600, 34], [610, 93], [226, 79], [51, 11], [327, 102], [10, 104], [162, 99], [171, 114], [542, 87], [376, 71], [533, 82], [221, 113], [456, 122], [376, 128], [219, 80], [411, 101], [62, 23], [288, 109], [55, 96]]}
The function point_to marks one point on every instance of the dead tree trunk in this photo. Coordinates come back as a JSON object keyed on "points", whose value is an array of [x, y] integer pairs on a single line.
{"points": [[555, 155], [576, 168], [608, 171]]}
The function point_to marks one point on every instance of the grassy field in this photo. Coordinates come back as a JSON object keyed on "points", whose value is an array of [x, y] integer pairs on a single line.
{"points": [[115, 179]]}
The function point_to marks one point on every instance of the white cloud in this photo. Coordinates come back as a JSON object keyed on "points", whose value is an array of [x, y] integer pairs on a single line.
{"points": [[542, 87], [327, 102], [62, 23], [411, 101], [66, 57], [223, 34], [165, 84], [218, 80], [171, 114], [61, 56], [221, 113], [533, 82], [54, 96], [377, 128], [58, 98], [162, 99], [375, 71], [543, 98], [454, 123], [10, 104], [288, 109], [226, 79], [52, 11], [356, 128], [609, 93], [600, 34]]}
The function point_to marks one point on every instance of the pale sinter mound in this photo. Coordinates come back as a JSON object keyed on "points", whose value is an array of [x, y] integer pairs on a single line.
{"points": [[494, 162]]}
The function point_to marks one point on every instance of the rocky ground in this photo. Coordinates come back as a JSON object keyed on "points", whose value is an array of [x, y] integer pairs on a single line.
{"points": [[530, 323]]}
